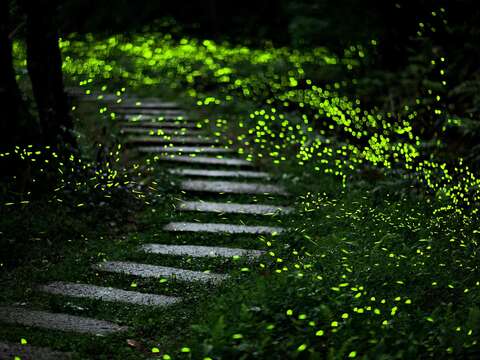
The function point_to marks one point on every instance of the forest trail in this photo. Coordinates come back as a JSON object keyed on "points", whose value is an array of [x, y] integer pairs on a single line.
{"points": [[207, 171]]}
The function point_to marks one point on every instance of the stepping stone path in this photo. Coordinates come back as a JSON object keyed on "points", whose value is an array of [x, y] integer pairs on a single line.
{"points": [[147, 124]]}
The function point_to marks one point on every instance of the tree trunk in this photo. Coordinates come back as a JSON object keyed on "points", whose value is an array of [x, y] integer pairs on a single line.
{"points": [[17, 127], [45, 70], [10, 97]]}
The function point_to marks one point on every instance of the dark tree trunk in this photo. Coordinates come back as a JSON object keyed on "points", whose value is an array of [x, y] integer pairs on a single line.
{"points": [[45, 70], [11, 103], [17, 127]]}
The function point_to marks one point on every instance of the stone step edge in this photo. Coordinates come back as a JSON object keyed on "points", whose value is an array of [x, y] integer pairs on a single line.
{"points": [[156, 271], [231, 187], [243, 174], [199, 251], [221, 228], [184, 149], [206, 160], [108, 294], [58, 321], [232, 208]]}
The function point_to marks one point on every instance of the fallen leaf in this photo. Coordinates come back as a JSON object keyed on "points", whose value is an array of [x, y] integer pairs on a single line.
{"points": [[134, 344]]}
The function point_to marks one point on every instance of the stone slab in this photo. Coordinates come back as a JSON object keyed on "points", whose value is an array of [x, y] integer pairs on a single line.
{"points": [[205, 160], [160, 132], [145, 270], [220, 173], [184, 149], [146, 110], [171, 140], [231, 187], [107, 294], [28, 352], [74, 90], [229, 208], [80, 93], [147, 104], [154, 112], [221, 228], [57, 321], [106, 98], [159, 124], [199, 251]]}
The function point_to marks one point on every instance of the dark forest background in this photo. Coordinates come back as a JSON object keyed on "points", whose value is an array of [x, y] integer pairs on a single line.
{"points": [[302, 23], [336, 25], [407, 35], [399, 62]]}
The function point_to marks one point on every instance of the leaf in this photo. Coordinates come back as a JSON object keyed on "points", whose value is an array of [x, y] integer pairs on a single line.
{"points": [[135, 344]]}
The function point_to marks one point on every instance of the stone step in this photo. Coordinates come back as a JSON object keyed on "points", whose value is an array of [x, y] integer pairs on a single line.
{"points": [[220, 173], [28, 352], [57, 321], [184, 149], [229, 208], [171, 140], [145, 270], [160, 132], [150, 118], [146, 104], [106, 98], [231, 187], [205, 160], [159, 124], [221, 228], [107, 294], [199, 251], [80, 93], [153, 112]]}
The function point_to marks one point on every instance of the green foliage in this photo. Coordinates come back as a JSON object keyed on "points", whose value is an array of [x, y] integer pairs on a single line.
{"points": [[369, 275], [66, 195]]}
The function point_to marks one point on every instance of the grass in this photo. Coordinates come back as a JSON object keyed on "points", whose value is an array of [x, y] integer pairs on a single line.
{"points": [[376, 276]]}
